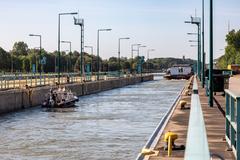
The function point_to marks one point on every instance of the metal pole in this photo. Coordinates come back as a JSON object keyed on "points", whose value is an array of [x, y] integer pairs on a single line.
{"points": [[40, 59], [59, 48], [210, 100], [98, 60], [148, 60], [119, 58], [199, 51], [59, 67], [70, 63], [92, 60], [82, 64], [203, 49], [131, 67]]}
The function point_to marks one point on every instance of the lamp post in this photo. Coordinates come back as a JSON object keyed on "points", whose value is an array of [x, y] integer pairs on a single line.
{"points": [[119, 48], [203, 45], [210, 100], [59, 21], [132, 49], [40, 52], [197, 21], [98, 58], [70, 50], [149, 50], [139, 60], [80, 22], [91, 47]]}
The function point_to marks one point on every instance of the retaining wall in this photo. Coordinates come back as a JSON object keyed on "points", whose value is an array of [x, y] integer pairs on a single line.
{"points": [[12, 100]]}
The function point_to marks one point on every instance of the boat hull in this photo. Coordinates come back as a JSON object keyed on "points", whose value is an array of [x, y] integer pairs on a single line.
{"points": [[66, 104], [169, 77]]}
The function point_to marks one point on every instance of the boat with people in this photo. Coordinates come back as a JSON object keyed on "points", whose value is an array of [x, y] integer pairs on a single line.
{"points": [[179, 71], [60, 97]]}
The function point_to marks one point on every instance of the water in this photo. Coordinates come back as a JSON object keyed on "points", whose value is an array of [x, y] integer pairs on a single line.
{"points": [[111, 125]]}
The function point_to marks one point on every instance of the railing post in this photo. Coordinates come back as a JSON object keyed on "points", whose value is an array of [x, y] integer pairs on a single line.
{"points": [[227, 115], [238, 128]]}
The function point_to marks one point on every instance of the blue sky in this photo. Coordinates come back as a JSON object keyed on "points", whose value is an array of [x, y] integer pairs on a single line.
{"points": [[158, 24]]}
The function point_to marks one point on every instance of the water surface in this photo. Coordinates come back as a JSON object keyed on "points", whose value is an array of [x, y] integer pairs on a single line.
{"points": [[111, 125]]}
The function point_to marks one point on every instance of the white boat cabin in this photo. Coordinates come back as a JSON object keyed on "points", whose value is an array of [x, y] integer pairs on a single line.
{"points": [[182, 69]]}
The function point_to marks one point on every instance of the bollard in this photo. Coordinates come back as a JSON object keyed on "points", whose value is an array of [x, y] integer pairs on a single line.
{"points": [[169, 146]]}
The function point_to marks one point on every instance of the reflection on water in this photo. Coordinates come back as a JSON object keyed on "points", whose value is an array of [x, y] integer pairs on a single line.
{"points": [[110, 125]]}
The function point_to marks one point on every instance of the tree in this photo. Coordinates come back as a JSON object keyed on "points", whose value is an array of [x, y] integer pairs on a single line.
{"points": [[5, 60], [232, 51], [20, 49]]}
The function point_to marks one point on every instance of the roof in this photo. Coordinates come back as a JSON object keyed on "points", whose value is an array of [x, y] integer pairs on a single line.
{"points": [[181, 65]]}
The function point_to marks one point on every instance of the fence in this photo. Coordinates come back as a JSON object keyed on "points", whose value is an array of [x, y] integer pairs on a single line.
{"points": [[233, 121], [34, 80]]}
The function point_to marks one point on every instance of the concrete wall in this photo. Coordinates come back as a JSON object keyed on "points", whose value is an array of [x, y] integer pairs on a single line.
{"points": [[12, 100]]}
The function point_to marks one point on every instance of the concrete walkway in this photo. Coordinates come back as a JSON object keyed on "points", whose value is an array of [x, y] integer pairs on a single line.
{"points": [[214, 122], [215, 125], [178, 124]]}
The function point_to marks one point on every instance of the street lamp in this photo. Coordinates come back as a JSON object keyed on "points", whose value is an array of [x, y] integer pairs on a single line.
{"points": [[98, 59], [211, 56], [80, 22], [70, 50], [119, 66], [132, 54], [203, 45], [91, 47], [197, 21], [149, 50], [40, 53], [59, 21]]}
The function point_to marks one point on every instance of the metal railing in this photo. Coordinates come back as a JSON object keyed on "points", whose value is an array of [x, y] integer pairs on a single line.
{"points": [[232, 123], [12, 81], [206, 86], [197, 144]]}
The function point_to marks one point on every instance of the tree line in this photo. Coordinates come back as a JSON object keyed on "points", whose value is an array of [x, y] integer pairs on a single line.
{"points": [[232, 50], [25, 60]]}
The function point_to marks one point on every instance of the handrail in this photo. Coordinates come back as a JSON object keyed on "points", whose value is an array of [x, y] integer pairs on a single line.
{"points": [[197, 144], [232, 118], [234, 94]]}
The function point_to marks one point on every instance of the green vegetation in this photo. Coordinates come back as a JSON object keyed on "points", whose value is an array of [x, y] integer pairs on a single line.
{"points": [[232, 51], [22, 59]]}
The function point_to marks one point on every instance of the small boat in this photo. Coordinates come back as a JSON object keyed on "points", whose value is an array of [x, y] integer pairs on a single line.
{"points": [[60, 98], [180, 71]]}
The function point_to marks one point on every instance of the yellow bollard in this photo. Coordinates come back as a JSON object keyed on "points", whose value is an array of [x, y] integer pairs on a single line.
{"points": [[169, 146], [182, 104], [169, 138]]}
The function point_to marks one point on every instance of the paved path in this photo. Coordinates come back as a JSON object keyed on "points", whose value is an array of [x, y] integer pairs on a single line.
{"points": [[178, 124], [214, 122]]}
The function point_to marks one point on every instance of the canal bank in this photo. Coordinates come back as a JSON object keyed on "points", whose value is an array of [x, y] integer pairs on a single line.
{"points": [[16, 99]]}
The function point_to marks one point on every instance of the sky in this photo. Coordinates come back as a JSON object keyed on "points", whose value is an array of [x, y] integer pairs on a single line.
{"points": [[158, 24]]}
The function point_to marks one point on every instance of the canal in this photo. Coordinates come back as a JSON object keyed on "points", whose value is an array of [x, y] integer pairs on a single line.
{"points": [[105, 126]]}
